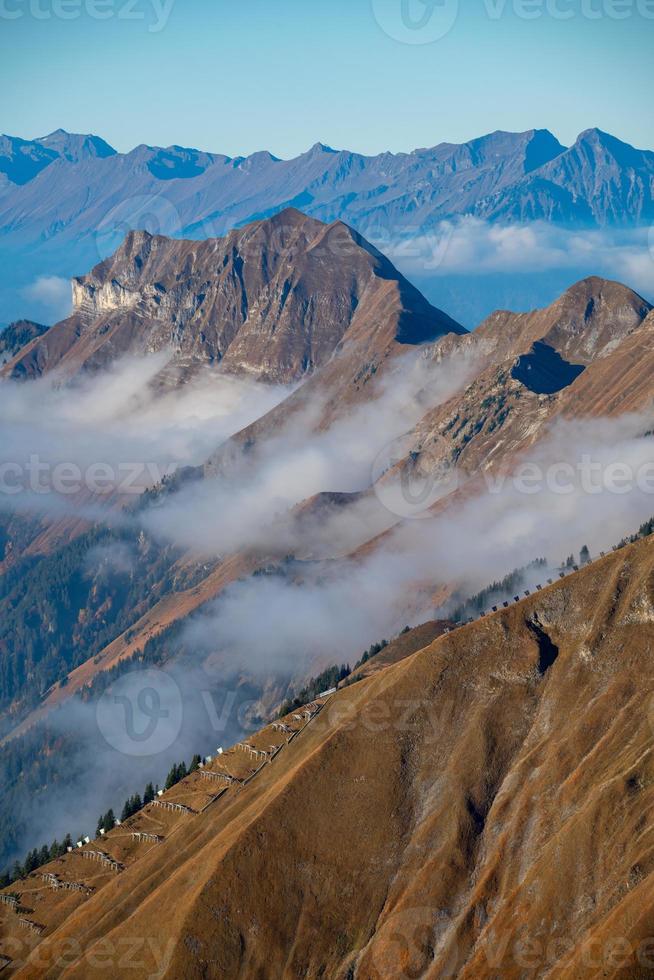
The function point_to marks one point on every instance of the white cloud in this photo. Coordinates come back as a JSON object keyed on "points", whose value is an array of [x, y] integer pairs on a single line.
{"points": [[249, 505], [309, 614], [472, 246], [120, 422], [51, 296]]}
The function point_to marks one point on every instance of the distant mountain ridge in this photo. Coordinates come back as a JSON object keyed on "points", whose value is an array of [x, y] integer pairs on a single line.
{"points": [[67, 201], [599, 180], [22, 160]]}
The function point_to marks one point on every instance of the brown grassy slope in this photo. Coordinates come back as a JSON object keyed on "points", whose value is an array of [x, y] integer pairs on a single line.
{"points": [[467, 812], [403, 646], [620, 382]]}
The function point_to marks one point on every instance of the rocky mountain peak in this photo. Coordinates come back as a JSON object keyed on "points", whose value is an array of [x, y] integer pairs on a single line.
{"points": [[534, 147], [74, 147], [585, 322], [274, 300]]}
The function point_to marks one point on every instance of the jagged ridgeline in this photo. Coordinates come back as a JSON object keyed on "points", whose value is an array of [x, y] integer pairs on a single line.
{"points": [[504, 177]]}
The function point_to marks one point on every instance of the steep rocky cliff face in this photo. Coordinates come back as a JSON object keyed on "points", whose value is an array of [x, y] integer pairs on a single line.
{"points": [[481, 809], [273, 300]]}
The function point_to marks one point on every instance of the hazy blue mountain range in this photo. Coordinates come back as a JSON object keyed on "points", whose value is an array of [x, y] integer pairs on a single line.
{"points": [[67, 200]]}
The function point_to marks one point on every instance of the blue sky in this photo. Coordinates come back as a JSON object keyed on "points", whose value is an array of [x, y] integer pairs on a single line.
{"points": [[235, 76]]}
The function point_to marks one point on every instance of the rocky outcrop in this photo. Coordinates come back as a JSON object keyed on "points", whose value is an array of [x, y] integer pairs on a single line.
{"points": [[274, 300], [589, 353]]}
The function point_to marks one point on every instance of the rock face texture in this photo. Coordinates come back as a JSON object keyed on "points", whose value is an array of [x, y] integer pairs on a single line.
{"points": [[589, 353], [274, 300], [621, 381], [587, 321], [481, 809]]}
